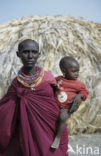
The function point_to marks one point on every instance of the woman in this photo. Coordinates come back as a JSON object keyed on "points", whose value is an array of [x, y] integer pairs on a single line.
{"points": [[28, 112]]}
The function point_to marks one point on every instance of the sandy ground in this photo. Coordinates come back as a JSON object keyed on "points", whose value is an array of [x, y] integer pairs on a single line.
{"points": [[85, 145]]}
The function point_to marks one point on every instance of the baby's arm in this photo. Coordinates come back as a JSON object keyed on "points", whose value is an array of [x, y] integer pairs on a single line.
{"points": [[77, 100]]}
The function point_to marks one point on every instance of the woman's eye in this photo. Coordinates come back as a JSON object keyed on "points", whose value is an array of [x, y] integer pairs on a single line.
{"points": [[25, 51], [34, 52]]}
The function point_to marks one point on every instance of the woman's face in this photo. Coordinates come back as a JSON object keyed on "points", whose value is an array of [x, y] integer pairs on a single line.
{"points": [[28, 54]]}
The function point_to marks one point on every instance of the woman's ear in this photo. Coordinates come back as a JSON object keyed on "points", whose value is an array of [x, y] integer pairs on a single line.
{"points": [[39, 53], [17, 53]]}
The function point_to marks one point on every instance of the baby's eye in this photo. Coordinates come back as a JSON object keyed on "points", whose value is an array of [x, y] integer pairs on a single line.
{"points": [[73, 71], [76, 71]]}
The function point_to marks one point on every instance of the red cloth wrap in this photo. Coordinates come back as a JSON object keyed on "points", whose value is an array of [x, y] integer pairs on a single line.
{"points": [[30, 117]]}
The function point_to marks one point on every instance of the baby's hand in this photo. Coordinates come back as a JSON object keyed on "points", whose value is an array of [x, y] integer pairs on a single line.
{"points": [[76, 101]]}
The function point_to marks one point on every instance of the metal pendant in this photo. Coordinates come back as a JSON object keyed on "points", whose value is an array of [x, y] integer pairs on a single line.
{"points": [[32, 88]]}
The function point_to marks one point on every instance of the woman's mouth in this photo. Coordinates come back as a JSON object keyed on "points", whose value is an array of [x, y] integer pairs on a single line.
{"points": [[30, 62]]}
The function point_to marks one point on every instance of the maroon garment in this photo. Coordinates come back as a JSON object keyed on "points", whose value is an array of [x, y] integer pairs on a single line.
{"points": [[31, 117]]}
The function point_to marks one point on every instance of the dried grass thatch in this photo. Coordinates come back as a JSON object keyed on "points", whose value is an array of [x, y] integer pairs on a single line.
{"points": [[59, 36]]}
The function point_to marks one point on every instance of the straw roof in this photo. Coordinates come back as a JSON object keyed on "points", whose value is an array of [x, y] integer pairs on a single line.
{"points": [[59, 36]]}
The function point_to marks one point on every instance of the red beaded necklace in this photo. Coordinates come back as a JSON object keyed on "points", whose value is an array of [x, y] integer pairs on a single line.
{"points": [[33, 80]]}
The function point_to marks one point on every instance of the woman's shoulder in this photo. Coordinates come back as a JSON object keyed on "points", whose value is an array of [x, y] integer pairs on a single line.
{"points": [[48, 74], [15, 83], [59, 77], [49, 78]]}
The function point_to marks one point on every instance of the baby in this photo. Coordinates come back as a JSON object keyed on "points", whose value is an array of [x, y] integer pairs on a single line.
{"points": [[71, 92]]}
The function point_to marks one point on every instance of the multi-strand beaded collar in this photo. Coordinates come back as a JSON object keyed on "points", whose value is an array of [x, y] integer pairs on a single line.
{"points": [[33, 80]]}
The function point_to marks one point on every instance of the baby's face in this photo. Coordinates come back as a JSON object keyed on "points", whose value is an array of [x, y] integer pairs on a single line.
{"points": [[71, 71]]}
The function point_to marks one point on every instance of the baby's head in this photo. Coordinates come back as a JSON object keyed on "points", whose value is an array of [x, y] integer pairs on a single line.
{"points": [[69, 67]]}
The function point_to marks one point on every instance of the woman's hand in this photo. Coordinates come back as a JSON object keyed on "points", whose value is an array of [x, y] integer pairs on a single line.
{"points": [[76, 101]]}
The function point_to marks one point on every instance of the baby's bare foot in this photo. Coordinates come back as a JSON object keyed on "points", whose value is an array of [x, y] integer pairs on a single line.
{"points": [[55, 143]]}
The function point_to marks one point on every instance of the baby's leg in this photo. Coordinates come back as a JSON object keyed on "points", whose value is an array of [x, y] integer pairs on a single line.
{"points": [[64, 115]]}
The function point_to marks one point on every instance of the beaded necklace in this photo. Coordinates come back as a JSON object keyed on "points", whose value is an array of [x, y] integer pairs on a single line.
{"points": [[33, 80]]}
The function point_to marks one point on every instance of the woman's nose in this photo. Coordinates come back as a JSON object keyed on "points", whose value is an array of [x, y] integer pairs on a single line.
{"points": [[30, 55]]}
